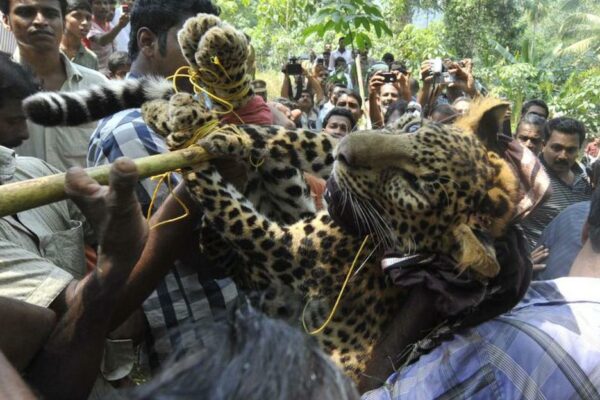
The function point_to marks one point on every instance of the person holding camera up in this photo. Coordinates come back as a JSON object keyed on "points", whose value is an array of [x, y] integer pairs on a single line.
{"points": [[444, 81], [302, 79], [384, 89]]}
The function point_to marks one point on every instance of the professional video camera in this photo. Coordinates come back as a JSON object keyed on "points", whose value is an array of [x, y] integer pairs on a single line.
{"points": [[293, 67]]}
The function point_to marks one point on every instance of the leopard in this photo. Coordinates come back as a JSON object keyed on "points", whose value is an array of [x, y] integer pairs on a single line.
{"points": [[430, 191]]}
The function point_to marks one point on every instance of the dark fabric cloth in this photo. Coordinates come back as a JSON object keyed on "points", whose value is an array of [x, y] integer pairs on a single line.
{"points": [[466, 295]]}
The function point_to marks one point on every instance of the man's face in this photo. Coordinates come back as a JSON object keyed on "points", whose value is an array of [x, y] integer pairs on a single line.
{"points": [[102, 9], [388, 94], [537, 110], [173, 58], [351, 104], [78, 23], [121, 72], [36, 24], [305, 101], [335, 94], [13, 126], [340, 65], [341, 45], [337, 126], [560, 151], [530, 137], [322, 77]]}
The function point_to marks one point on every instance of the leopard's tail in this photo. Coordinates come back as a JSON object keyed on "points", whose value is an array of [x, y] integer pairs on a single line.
{"points": [[94, 103]]}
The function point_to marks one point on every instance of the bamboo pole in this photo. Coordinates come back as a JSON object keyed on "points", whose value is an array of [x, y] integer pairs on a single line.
{"points": [[24, 195]]}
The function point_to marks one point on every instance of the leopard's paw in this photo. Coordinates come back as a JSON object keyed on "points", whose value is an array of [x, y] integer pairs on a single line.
{"points": [[186, 113], [156, 116], [229, 141]]}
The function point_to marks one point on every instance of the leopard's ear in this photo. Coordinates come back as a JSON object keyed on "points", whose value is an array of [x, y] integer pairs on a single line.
{"points": [[484, 119]]}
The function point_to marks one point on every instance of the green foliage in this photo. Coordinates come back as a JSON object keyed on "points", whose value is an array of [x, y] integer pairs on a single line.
{"points": [[471, 23], [413, 45], [351, 18], [580, 98]]}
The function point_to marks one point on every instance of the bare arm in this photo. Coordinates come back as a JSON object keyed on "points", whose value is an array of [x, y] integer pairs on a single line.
{"points": [[286, 87], [11, 384], [109, 36], [25, 328], [374, 109], [68, 364]]}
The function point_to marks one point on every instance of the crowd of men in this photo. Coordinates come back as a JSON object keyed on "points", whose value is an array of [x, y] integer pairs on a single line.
{"points": [[87, 293]]}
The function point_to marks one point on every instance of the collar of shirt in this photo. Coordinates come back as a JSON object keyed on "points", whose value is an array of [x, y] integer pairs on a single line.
{"points": [[8, 164], [576, 169], [73, 74]]}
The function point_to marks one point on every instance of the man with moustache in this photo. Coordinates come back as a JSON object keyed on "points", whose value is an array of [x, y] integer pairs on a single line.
{"points": [[563, 138]]}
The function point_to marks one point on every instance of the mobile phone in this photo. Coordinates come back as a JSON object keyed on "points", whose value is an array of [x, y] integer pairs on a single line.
{"points": [[389, 77], [125, 8]]}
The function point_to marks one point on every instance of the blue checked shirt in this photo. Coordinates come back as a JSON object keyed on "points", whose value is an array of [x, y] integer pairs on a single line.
{"points": [[547, 347], [183, 296]]}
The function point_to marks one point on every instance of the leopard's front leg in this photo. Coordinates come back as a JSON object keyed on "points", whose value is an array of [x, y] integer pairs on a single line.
{"points": [[297, 148]]}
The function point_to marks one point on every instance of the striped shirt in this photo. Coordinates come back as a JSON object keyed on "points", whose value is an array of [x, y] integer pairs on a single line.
{"points": [[8, 43], [547, 347], [563, 196]]}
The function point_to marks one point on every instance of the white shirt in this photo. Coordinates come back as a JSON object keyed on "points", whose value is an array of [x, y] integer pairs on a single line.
{"points": [[122, 39], [347, 54], [63, 146]]}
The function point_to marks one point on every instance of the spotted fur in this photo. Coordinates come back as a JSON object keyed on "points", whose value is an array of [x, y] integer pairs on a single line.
{"points": [[430, 191]]}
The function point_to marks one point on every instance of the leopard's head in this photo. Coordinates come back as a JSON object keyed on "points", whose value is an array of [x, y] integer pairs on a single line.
{"points": [[434, 189]]}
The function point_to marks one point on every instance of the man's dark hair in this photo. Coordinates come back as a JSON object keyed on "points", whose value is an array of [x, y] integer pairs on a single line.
{"points": [[533, 120], [332, 85], [159, 16], [74, 5], [534, 102], [594, 220], [286, 102], [447, 111], [5, 7], [351, 93], [399, 105], [117, 60], [387, 58], [566, 125], [341, 112], [16, 82], [250, 357]]}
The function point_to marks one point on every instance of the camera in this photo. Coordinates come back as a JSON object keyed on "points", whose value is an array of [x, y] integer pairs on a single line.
{"points": [[439, 70], [389, 77], [293, 67], [125, 8]]}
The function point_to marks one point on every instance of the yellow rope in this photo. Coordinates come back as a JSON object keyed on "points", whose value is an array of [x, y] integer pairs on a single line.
{"points": [[161, 179], [339, 298], [195, 79]]}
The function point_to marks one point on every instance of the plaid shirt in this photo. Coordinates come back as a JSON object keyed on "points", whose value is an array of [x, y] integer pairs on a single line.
{"points": [[547, 347], [182, 296]]}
